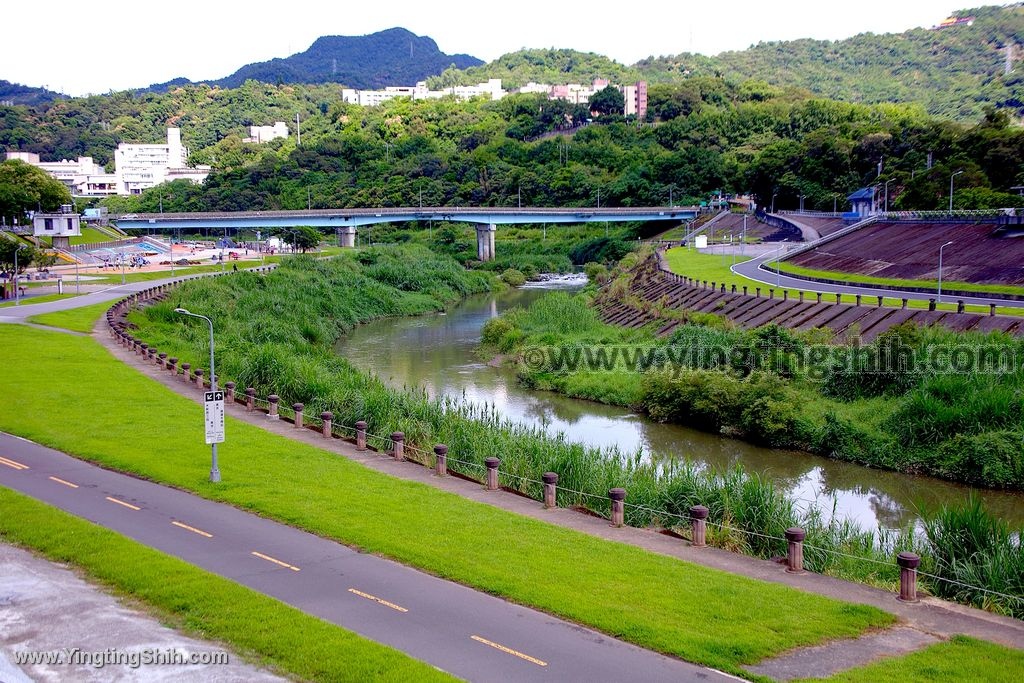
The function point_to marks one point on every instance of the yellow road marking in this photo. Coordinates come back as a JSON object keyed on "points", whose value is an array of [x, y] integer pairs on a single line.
{"points": [[14, 464], [192, 529], [121, 502], [268, 558], [378, 600], [509, 650], [66, 483]]}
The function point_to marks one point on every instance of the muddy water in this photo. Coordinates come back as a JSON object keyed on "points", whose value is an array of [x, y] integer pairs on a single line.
{"points": [[437, 353]]}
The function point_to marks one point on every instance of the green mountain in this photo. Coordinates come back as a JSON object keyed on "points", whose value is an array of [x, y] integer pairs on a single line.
{"points": [[15, 93], [954, 72]]}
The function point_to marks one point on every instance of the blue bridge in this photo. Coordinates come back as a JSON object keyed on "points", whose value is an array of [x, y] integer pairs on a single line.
{"points": [[346, 222]]}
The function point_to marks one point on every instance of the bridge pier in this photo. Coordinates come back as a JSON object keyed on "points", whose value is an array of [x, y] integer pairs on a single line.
{"points": [[347, 236], [485, 242]]}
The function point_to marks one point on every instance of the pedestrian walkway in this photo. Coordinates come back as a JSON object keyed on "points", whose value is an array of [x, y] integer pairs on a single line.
{"points": [[920, 623]]}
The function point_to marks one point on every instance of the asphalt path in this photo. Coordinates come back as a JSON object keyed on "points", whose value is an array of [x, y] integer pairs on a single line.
{"points": [[752, 270], [457, 629]]}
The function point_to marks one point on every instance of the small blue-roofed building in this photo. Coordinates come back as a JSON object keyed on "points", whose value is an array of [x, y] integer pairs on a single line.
{"points": [[863, 202]]}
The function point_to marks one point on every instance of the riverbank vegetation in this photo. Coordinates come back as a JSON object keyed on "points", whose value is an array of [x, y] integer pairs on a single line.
{"points": [[613, 587], [274, 335]]}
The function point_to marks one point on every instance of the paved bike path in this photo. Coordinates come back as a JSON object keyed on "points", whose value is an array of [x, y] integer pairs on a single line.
{"points": [[455, 628]]}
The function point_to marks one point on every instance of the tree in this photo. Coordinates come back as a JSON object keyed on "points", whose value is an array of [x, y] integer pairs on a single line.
{"points": [[24, 187], [302, 237], [26, 254], [608, 101]]}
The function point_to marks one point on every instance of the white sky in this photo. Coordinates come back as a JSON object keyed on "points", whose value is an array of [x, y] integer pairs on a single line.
{"points": [[80, 47]]}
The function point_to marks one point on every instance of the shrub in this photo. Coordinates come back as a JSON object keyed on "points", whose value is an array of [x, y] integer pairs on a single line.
{"points": [[513, 278], [994, 459]]}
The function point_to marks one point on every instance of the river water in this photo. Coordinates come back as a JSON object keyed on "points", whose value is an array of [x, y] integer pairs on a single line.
{"points": [[436, 352]]}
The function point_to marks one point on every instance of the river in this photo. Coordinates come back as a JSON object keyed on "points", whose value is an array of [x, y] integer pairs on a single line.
{"points": [[436, 352]]}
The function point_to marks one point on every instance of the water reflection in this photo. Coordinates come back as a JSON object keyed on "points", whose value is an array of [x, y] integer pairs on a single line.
{"points": [[437, 353]]}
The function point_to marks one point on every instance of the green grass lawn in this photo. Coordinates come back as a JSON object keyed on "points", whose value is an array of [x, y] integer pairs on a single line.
{"points": [[715, 268], [794, 269], [76, 319], [114, 416], [961, 659], [25, 301], [205, 605]]}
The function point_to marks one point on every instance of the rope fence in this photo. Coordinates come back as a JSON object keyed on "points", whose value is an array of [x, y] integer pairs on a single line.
{"points": [[394, 445]]}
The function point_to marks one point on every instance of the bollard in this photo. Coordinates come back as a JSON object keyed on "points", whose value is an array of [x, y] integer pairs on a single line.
{"points": [[197, 375], [440, 460], [758, 292], [151, 354], [618, 496], [991, 309], [960, 306], [733, 291], [931, 304], [785, 295], [857, 299], [186, 373], [142, 349], [361, 435], [172, 365], [903, 303], [550, 480], [801, 297], [795, 557], [398, 438], [839, 298], [272, 400], [879, 302], [713, 286], [162, 360], [705, 284], [250, 399], [818, 294], [908, 563], [492, 473], [723, 288], [297, 407], [699, 517], [229, 392], [327, 416]]}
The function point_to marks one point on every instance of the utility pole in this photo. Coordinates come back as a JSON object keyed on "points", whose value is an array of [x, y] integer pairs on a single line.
{"points": [[298, 131]]}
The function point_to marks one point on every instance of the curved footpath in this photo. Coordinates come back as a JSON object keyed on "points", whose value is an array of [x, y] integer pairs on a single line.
{"points": [[334, 581], [752, 270]]}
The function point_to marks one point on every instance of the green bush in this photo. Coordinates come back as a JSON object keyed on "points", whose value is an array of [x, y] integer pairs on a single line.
{"points": [[993, 459], [513, 278]]}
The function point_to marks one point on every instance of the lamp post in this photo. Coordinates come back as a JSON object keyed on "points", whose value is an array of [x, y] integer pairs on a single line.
{"points": [[940, 269], [774, 194], [122, 268], [951, 189], [16, 299], [214, 469]]}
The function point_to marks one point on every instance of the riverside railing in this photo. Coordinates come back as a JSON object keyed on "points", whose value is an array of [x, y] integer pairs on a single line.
{"points": [[441, 460]]}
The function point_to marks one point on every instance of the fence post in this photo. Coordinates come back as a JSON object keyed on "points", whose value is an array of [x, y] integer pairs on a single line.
{"points": [[272, 400], [229, 392], [908, 563], [618, 497], [186, 375], [931, 304], [250, 399], [771, 292], [801, 296], [699, 517], [550, 480], [903, 303], [398, 439], [960, 306], [857, 299], [744, 290], [991, 309], [361, 435], [327, 416], [758, 292], [795, 557], [197, 375], [440, 460], [297, 407], [172, 365], [839, 298], [733, 291], [492, 473], [162, 360], [879, 301], [818, 297], [142, 349]]}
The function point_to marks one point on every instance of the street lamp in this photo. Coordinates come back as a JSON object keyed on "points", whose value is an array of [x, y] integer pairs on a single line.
{"points": [[214, 469], [774, 195], [16, 300], [951, 189], [940, 268]]}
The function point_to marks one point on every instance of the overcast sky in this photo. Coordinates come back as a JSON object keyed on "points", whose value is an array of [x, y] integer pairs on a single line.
{"points": [[80, 47]]}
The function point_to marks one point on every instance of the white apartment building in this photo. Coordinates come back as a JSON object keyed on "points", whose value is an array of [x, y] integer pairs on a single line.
{"points": [[371, 98], [261, 134], [83, 177], [141, 166]]}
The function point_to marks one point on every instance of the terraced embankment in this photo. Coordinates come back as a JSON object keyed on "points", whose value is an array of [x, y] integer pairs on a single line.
{"points": [[654, 292]]}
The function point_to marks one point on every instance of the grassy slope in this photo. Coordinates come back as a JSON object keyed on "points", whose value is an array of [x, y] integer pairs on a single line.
{"points": [[75, 319], [203, 604], [960, 659], [715, 268], [106, 406]]}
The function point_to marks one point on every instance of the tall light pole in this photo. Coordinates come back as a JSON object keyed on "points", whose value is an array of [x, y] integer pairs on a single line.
{"points": [[775, 194], [951, 189], [214, 469], [940, 268], [16, 299]]}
